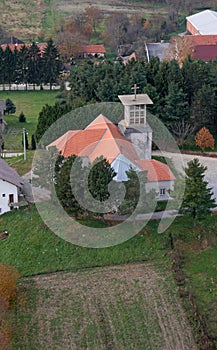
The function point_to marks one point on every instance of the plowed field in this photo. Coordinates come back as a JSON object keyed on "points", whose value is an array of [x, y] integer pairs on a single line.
{"points": [[134, 306]]}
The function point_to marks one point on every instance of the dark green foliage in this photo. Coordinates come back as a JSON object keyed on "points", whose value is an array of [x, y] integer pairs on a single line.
{"points": [[33, 143], [64, 177], [136, 196], [197, 201], [51, 64], [22, 118], [28, 66], [179, 94], [101, 174], [176, 106], [10, 107], [48, 116]]}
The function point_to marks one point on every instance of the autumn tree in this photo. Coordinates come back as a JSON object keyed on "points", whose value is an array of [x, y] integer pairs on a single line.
{"points": [[93, 16], [204, 139], [179, 49]]}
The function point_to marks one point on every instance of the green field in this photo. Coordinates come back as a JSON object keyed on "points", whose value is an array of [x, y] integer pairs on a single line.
{"points": [[52, 301], [30, 103]]}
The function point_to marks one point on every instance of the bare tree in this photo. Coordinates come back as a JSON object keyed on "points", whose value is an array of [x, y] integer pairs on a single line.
{"points": [[181, 130]]}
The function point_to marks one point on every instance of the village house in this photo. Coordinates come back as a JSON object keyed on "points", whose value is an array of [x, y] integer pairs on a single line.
{"points": [[126, 145], [10, 187], [93, 51]]}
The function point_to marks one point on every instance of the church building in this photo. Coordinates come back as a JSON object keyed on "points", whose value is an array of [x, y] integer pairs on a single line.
{"points": [[126, 145]]}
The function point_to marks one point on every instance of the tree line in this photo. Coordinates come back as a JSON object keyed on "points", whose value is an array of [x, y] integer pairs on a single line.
{"points": [[29, 66], [184, 97]]}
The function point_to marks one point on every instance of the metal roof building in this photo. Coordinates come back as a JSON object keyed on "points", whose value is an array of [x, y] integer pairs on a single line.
{"points": [[202, 23]]}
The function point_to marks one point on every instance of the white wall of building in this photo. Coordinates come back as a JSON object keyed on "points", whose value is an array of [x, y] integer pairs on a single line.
{"points": [[161, 187], [7, 189]]}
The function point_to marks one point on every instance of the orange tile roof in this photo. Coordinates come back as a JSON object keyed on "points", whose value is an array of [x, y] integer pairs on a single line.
{"points": [[102, 138], [99, 48], [113, 142], [61, 142], [156, 171]]}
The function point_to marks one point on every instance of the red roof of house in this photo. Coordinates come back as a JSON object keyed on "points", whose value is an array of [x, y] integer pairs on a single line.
{"points": [[99, 48], [41, 46], [156, 171]]}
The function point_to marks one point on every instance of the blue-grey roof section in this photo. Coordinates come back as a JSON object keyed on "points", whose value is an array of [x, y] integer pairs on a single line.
{"points": [[120, 165], [9, 174], [205, 22], [157, 50]]}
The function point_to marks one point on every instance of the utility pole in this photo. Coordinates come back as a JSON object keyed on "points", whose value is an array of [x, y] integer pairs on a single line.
{"points": [[24, 143]]}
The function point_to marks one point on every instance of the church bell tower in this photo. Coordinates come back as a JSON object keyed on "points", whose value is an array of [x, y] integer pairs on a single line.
{"points": [[135, 126]]}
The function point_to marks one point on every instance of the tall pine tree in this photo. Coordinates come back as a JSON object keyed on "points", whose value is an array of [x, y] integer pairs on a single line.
{"points": [[197, 201]]}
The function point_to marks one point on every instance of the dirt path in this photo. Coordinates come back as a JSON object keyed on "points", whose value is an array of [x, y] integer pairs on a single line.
{"points": [[119, 308]]}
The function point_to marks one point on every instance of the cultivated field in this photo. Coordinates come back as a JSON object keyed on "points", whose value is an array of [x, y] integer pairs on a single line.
{"points": [[134, 306]]}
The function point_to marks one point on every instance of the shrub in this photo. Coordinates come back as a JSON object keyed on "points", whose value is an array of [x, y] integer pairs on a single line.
{"points": [[22, 118]]}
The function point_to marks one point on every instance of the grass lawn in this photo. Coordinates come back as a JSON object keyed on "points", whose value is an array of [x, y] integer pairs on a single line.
{"points": [[30, 103], [21, 166], [35, 250]]}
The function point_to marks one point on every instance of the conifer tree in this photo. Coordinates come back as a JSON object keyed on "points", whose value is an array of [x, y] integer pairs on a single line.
{"points": [[197, 201]]}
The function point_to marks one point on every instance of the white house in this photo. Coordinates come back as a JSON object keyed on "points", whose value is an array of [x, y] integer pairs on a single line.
{"points": [[10, 186]]}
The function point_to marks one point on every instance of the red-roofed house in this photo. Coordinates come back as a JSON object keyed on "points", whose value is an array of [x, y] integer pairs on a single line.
{"points": [[96, 51], [18, 47], [124, 146]]}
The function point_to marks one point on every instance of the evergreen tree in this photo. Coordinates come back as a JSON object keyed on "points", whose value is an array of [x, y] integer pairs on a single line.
{"points": [[33, 143], [22, 71], [197, 201], [22, 118], [135, 198], [51, 64], [176, 106], [101, 174], [64, 177], [34, 64], [10, 107], [9, 65]]}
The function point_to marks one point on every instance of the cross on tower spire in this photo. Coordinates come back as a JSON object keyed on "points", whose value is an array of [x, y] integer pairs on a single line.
{"points": [[135, 88]]}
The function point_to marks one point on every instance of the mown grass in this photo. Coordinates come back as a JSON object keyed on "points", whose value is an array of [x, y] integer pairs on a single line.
{"points": [[18, 163], [34, 249], [30, 103]]}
